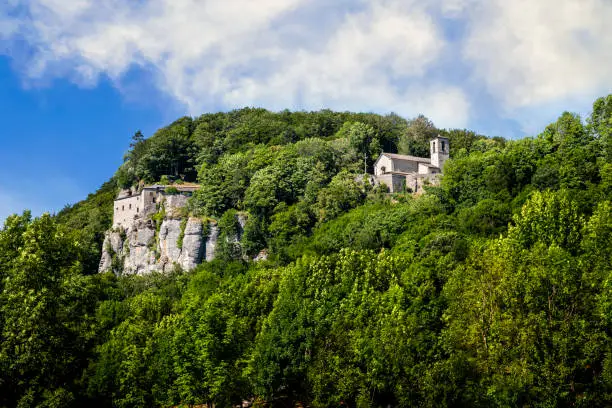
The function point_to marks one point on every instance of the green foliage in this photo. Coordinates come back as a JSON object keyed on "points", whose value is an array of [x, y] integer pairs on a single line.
{"points": [[87, 221], [342, 194], [363, 138], [181, 236], [47, 310], [228, 245], [491, 290], [488, 217], [415, 139], [551, 218]]}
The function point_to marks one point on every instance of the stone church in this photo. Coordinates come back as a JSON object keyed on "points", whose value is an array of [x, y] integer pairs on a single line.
{"points": [[402, 173]]}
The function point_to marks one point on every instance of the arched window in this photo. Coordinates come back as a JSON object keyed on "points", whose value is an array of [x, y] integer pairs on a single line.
{"points": [[383, 169]]}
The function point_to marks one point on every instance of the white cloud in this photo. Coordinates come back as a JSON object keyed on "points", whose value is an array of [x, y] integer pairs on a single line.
{"points": [[365, 55], [211, 54], [535, 52]]}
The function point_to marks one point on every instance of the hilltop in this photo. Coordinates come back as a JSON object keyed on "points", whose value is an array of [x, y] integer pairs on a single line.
{"points": [[491, 289]]}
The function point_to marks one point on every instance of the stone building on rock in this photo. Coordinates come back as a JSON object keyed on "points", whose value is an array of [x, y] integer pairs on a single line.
{"points": [[132, 204], [402, 173]]}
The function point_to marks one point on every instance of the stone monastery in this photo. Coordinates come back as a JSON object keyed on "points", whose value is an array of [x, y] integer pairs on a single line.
{"points": [[138, 244], [130, 205], [409, 173]]}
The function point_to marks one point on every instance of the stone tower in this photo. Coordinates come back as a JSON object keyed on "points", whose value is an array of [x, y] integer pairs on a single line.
{"points": [[439, 148]]}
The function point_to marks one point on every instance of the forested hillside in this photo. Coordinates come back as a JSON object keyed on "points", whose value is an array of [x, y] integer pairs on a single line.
{"points": [[492, 289]]}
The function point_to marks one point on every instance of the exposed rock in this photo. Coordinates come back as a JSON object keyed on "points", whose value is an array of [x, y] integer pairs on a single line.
{"points": [[242, 220], [113, 244], [106, 259], [139, 258], [211, 242], [261, 256], [174, 204], [192, 248], [168, 238], [141, 249]]}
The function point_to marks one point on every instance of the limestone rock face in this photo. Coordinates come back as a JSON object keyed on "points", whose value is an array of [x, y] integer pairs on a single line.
{"points": [[142, 249], [138, 256], [211, 243], [168, 238], [192, 250]]}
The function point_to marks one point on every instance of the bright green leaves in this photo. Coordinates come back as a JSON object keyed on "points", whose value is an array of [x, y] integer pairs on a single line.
{"points": [[347, 328], [415, 138], [530, 308], [551, 218], [46, 310], [340, 195], [362, 137]]}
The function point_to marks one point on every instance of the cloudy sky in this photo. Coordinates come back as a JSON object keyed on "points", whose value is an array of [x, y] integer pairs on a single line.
{"points": [[79, 77]]}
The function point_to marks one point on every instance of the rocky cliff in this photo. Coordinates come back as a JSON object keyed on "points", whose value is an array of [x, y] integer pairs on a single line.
{"points": [[157, 242]]}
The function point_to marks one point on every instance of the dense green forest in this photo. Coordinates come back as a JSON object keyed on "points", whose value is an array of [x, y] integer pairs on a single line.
{"points": [[492, 289]]}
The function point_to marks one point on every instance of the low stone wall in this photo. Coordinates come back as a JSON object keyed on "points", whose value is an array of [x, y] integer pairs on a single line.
{"points": [[395, 182]]}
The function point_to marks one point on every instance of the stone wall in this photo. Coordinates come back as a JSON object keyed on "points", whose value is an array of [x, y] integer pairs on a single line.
{"points": [[395, 182], [405, 166], [383, 165], [417, 182], [126, 210]]}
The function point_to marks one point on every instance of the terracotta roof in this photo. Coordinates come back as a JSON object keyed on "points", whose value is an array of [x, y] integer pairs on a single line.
{"points": [[395, 156]]}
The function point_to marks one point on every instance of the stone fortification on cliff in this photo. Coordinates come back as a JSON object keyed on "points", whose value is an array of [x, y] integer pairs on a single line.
{"points": [[152, 233]]}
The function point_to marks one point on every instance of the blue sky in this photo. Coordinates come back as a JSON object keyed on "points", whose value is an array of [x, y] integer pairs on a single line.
{"points": [[79, 77]]}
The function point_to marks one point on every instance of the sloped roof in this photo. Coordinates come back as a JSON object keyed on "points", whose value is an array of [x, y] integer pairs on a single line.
{"points": [[179, 187], [395, 156]]}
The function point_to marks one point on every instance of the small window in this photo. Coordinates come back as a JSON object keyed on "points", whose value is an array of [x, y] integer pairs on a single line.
{"points": [[434, 147], [383, 169], [130, 206], [443, 148], [136, 209], [123, 208], [117, 208]]}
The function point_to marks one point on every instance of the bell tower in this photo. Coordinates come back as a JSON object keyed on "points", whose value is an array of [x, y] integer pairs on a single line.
{"points": [[439, 149]]}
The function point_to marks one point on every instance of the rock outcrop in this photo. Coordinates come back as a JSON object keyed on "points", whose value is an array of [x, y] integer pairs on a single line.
{"points": [[161, 238], [144, 247]]}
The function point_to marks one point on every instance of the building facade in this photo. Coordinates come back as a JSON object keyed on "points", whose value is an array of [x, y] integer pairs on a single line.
{"points": [[131, 203], [401, 173]]}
